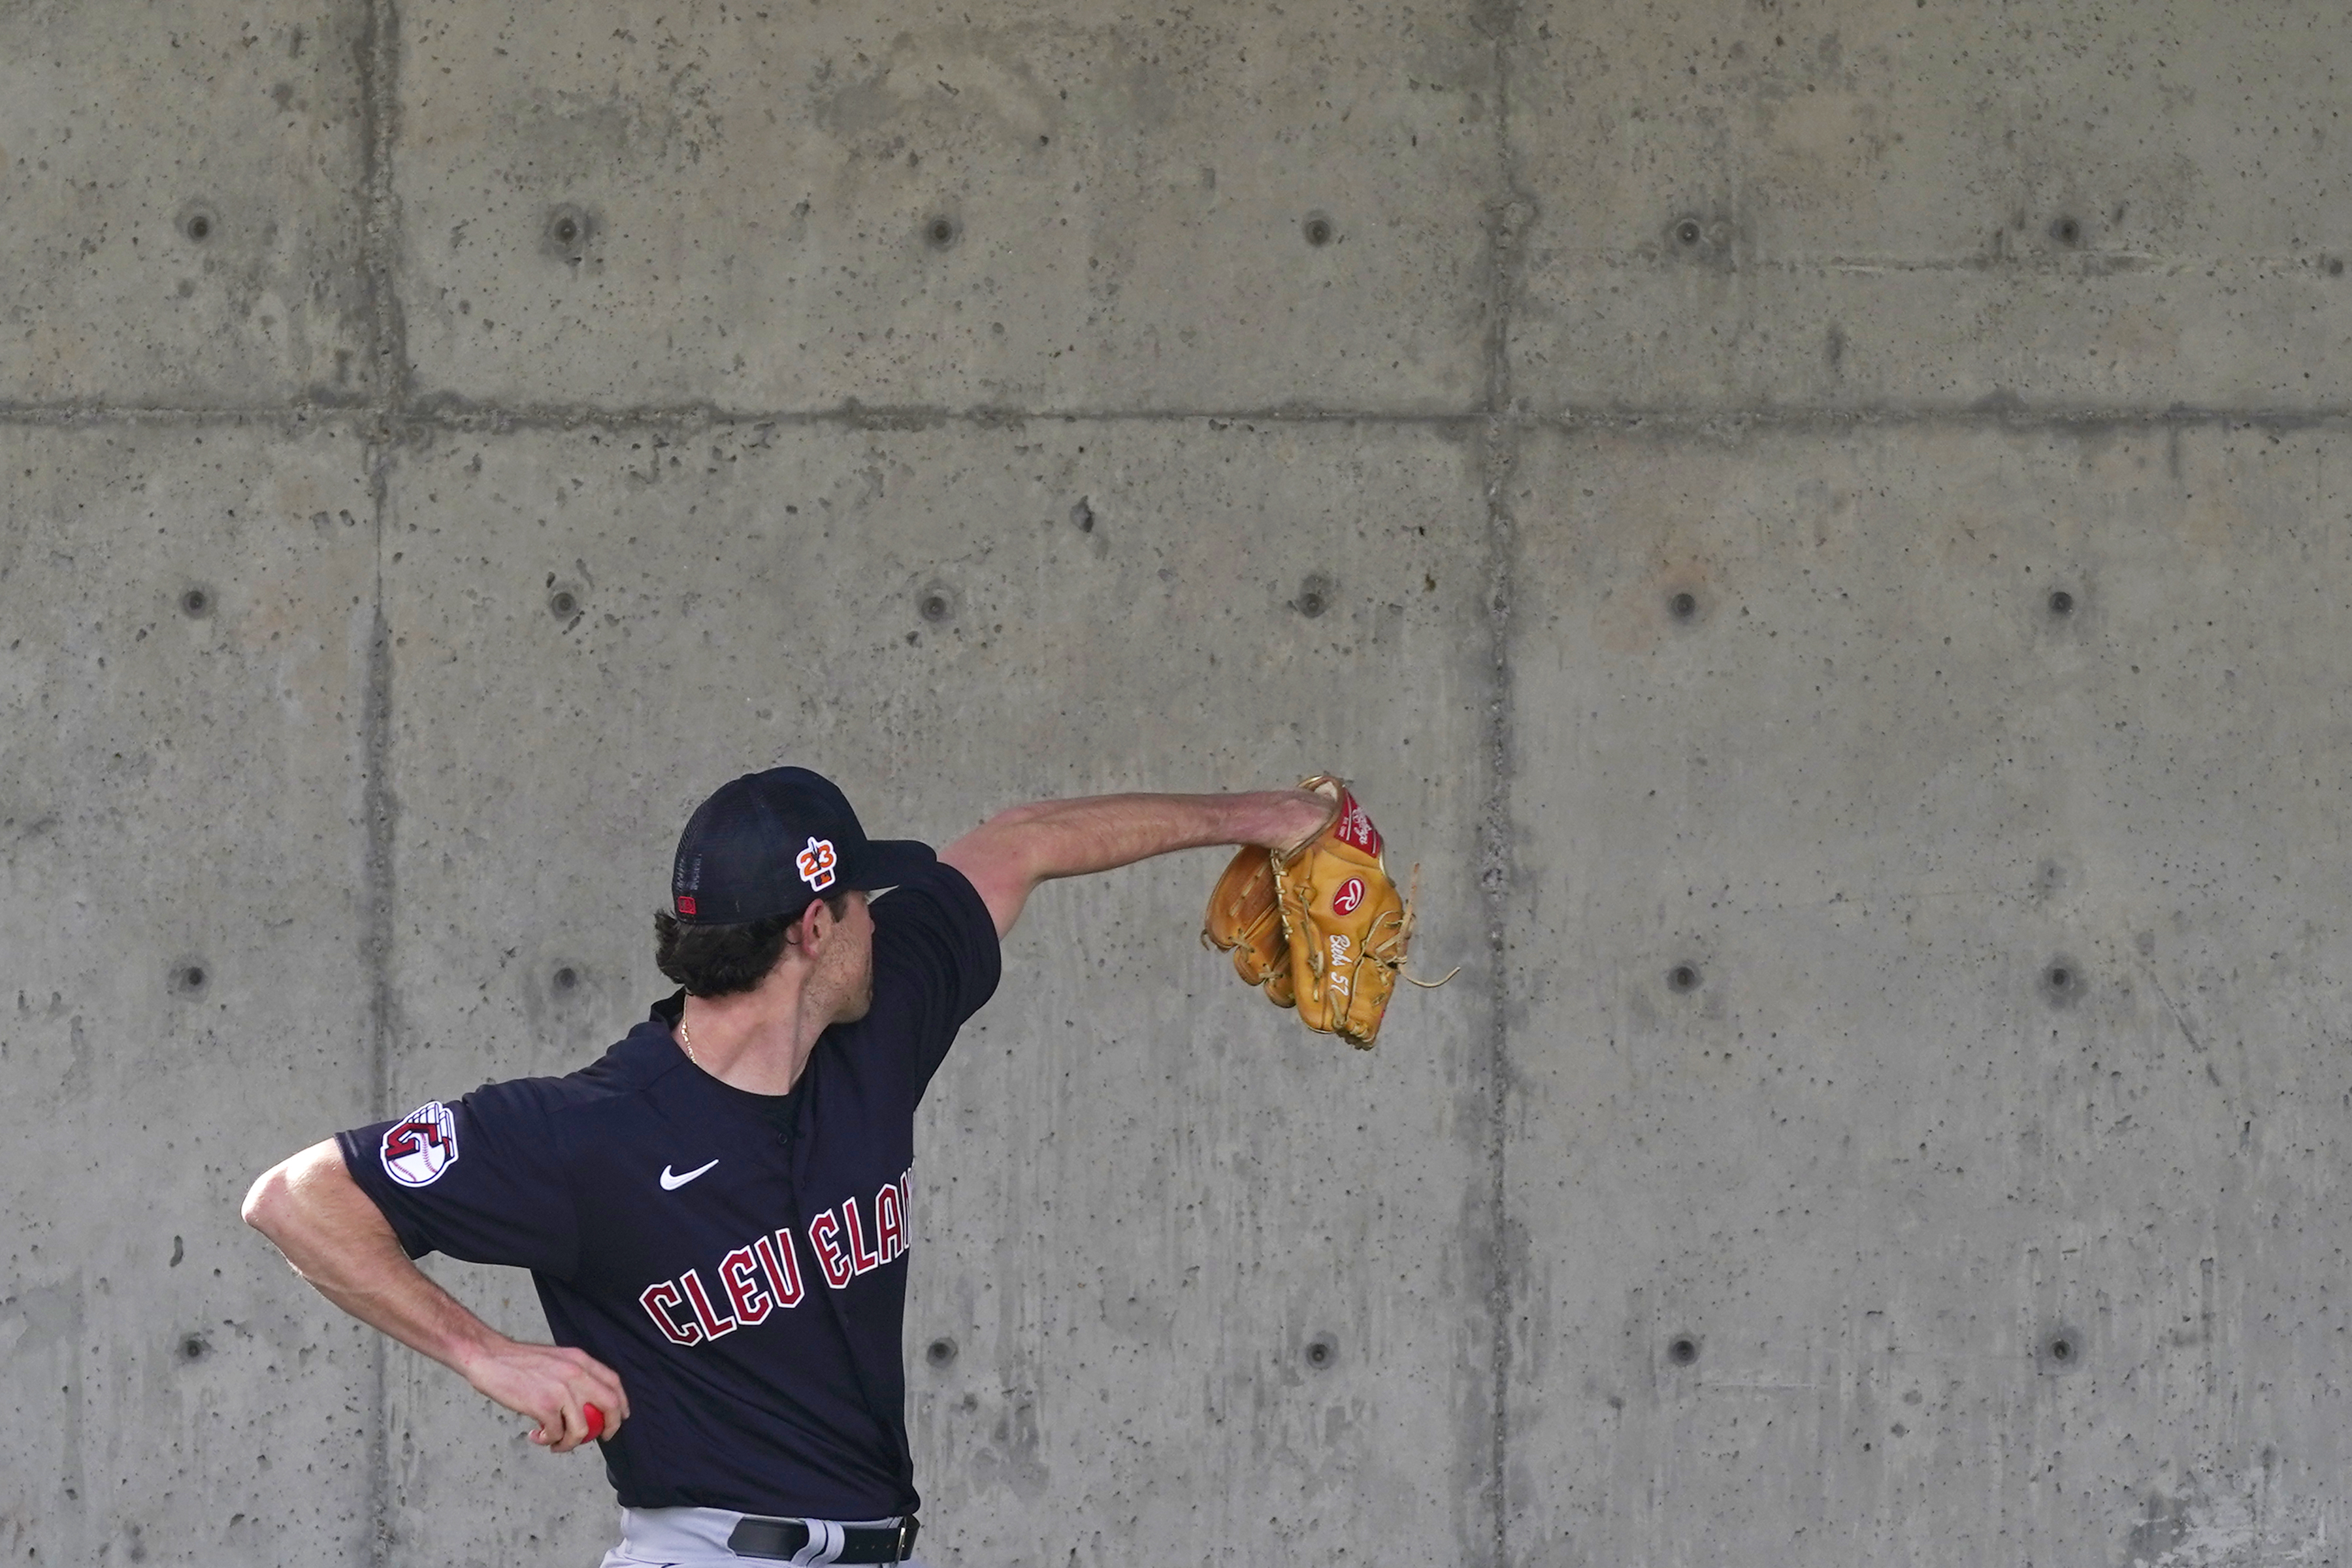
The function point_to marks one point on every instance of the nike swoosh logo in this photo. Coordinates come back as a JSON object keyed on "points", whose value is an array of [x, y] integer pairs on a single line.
{"points": [[671, 1183]]}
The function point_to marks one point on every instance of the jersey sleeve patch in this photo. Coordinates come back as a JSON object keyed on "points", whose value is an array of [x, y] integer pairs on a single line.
{"points": [[422, 1145]]}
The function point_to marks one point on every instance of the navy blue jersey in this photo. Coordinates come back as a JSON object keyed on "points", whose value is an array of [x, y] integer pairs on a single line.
{"points": [[743, 1272]]}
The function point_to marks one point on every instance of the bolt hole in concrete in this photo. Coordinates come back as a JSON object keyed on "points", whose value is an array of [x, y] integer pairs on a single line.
{"points": [[191, 979], [197, 604], [563, 603], [936, 606], [1688, 232], [1682, 977], [940, 232], [197, 223], [568, 232], [566, 978], [2066, 231], [1682, 1352], [2062, 979], [193, 1347], [941, 1351], [1314, 596], [1683, 606], [2062, 1349], [2061, 603], [1322, 1352], [1319, 230]]}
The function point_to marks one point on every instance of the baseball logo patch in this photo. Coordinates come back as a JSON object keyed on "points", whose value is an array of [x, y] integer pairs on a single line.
{"points": [[816, 863], [422, 1146], [1350, 894]]}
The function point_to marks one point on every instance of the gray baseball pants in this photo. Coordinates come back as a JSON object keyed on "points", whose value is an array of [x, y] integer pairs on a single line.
{"points": [[697, 1538]]}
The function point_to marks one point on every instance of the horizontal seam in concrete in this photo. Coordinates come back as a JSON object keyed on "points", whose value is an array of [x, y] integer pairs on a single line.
{"points": [[2080, 264], [400, 429], [65, 414]]}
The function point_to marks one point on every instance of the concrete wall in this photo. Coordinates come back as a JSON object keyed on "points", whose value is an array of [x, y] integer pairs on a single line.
{"points": [[1896, 1098]]}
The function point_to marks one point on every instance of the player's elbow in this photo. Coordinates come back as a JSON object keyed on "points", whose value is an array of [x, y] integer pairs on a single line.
{"points": [[1017, 840], [275, 1204], [266, 1200], [1006, 823], [1011, 851]]}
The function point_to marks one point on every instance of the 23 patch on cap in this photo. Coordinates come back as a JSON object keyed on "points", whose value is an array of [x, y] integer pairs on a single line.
{"points": [[816, 863]]}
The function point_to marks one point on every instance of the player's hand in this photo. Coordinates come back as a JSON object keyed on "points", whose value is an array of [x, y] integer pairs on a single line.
{"points": [[1296, 817], [553, 1384]]}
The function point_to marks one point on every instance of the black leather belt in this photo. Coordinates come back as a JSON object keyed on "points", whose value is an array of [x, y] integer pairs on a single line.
{"points": [[782, 1540]]}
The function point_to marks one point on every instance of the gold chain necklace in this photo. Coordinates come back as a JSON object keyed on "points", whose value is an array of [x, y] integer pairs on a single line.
{"points": [[687, 1040]]}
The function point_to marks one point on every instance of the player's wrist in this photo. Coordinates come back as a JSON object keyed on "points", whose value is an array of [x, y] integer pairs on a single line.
{"points": [[1293, 818], [473, 1349]]}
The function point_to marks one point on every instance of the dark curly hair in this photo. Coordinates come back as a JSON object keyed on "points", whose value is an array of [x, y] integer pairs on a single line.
{"points": [[723, 960]]}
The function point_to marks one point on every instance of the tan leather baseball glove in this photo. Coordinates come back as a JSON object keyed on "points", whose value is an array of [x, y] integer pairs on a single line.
{"points": [[1319, 926]]}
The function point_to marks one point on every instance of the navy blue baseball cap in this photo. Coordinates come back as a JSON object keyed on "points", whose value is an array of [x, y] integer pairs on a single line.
{"points": [[773, 844]]}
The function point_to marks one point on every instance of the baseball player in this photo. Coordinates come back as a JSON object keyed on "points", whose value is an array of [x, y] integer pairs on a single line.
{"points": [[715, 1212]]}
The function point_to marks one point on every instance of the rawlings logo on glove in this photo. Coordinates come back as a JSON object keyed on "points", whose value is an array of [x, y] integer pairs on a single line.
{"points": [[1318, 927]]}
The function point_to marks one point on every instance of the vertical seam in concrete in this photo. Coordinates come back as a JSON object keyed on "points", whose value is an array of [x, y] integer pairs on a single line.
{"points": [[1507, 219], [378, 74], [378, 60], [379, 808], [1493, 876]]}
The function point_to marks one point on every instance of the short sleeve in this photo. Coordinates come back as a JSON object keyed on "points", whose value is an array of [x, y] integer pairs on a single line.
{"points": [[936, 963], [481, 1180]]}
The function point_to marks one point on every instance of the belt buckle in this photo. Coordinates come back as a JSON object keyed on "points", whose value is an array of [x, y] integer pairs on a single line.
{"points": [[906, 1522]]}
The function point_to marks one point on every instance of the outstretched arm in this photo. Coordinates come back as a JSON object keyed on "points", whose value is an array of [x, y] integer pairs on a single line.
{"points": [[1007, 857], [337, 1238]]}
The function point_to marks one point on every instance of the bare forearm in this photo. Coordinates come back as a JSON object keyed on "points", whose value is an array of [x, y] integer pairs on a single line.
{"points": [[339, 1241], [1101, 833], [1007, 857]]}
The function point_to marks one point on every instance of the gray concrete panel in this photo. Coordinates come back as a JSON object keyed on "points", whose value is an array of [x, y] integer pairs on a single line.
{"points": [[1975, 1261], [1141, 1193], [1856, 206], [181, 197], [1873, 1164], [1041, 206], [183, 993]]}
